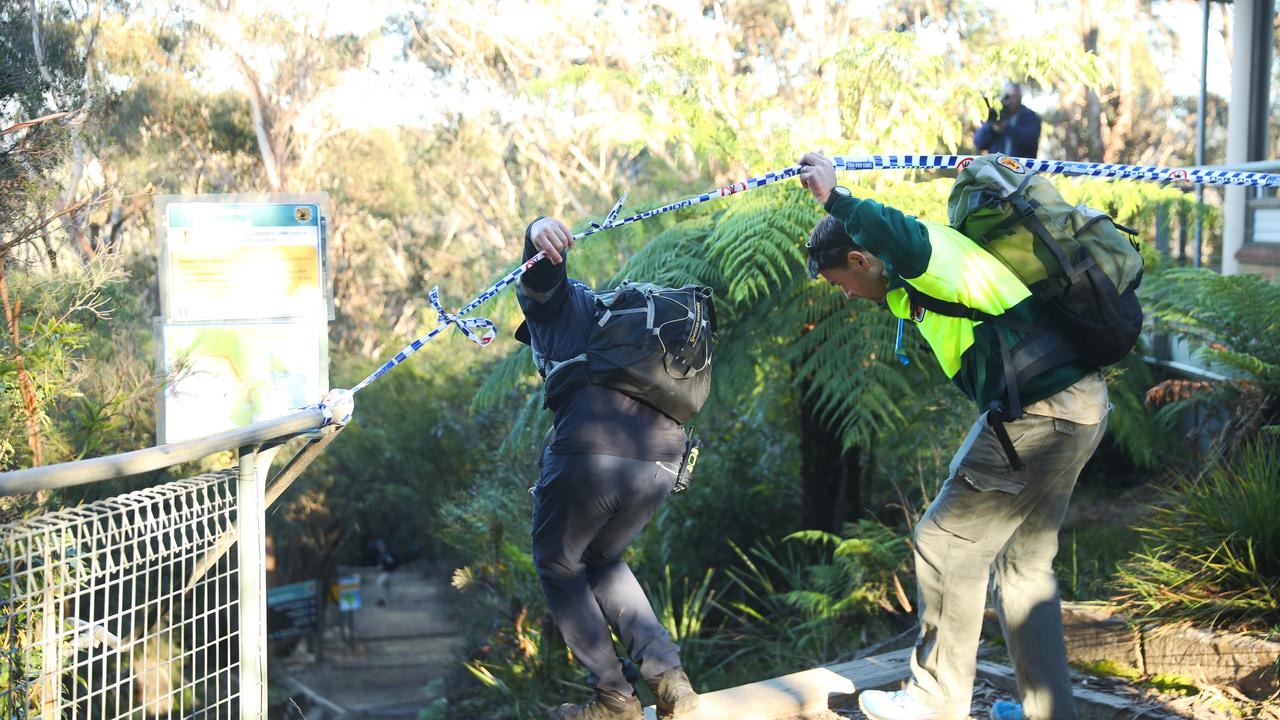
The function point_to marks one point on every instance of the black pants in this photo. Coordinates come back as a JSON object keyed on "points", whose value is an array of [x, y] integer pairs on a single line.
{"points": [[586, 511]]}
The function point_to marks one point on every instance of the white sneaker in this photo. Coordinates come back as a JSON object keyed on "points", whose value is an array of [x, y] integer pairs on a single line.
{"points": [[881, 705]]}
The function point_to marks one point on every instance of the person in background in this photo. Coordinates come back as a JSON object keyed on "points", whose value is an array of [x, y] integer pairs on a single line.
{"points": [[1015, 131], [386, 565]]}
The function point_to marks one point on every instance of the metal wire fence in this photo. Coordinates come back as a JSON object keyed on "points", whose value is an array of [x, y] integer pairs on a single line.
{"points": [[124, 605]]}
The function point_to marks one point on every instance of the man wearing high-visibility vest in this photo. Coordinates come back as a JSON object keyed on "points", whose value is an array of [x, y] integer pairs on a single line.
{"points": [[999, 511]]}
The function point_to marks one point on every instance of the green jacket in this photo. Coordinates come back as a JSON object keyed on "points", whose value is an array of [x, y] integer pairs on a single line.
{"points": [[945, 264]]}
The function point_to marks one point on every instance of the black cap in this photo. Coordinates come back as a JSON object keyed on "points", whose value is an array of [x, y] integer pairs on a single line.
{"points": [[522, 333]]}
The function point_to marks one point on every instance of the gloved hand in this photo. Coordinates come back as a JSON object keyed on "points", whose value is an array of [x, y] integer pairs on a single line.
{"points": [[991, 112]]}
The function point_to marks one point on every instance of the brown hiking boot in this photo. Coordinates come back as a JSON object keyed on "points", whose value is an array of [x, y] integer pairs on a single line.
{"points": [[675, 696], [606, 705]]}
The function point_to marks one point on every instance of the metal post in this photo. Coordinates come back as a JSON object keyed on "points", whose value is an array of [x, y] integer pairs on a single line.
{"points": [[50, 646], [253, 581], [1204, 72], [1183, 226]]}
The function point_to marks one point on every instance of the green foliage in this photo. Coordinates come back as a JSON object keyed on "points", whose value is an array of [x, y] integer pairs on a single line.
{"points": [[698, 98], [29, 158], [423, 450], [1213, 547], [1172, 683], [754, 244], [1108, 668], [1146, 435], [1230, 324], [745, 488], [59, 315], [848, 357], [686, 613], [1134, 204], [1231, 320], [1089, 556], [675, 256], [801, 600], [883, 77]]}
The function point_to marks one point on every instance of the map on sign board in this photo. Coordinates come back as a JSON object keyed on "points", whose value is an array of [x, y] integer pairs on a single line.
{"points": [[234, 374], [243, 261]]}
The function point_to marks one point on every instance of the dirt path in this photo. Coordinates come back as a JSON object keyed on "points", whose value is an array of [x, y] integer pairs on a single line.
{"points": [[399, 649]]}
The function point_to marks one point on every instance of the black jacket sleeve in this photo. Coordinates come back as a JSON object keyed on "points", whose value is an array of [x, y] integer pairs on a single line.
{"points": [[542, 288]]}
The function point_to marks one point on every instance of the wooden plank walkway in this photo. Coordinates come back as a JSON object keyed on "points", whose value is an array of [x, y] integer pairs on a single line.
{"points": [[804, 692]]}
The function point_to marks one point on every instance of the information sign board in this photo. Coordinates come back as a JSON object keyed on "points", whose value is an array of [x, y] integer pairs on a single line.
{"points": [[292, 610]]}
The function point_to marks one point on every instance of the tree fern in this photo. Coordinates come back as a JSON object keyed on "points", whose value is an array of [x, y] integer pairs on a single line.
{"points": [[1232, 321], [757, 242], [673, 258], [511, 372], [1146, 435]]}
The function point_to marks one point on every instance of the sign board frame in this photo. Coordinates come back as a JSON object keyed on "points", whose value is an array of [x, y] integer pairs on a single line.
{"points": [[162, 207], [256, 222], [217, 379]]}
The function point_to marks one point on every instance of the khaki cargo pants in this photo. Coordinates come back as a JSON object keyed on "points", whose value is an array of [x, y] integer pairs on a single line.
{"points": [[992, 522]]}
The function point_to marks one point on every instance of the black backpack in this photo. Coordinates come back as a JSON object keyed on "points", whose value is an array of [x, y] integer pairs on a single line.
{"points": [[655, 345]]}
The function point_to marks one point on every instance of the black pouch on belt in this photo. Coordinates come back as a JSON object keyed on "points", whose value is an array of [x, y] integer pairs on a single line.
{"points": [[692, 446]]}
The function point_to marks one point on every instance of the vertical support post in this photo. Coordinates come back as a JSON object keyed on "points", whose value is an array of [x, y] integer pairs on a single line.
{"points": [[50, 648], [1183, 224], [252, 544], [1250, 59], [1200, 120]]}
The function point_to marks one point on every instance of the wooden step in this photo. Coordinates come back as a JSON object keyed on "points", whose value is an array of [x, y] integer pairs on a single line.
{"points": [[802, 692]]}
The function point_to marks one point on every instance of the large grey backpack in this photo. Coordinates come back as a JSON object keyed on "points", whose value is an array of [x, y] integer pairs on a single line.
{"points": [[1082, 264]]}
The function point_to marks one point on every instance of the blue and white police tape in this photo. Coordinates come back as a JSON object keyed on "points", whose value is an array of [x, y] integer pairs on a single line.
{"points": [[939, 162], [1193, 176], [468, 326]]}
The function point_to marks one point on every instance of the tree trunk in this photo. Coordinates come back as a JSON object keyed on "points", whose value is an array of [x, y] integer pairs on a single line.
{"points": [[262, 127], [24, 378], [831, 476], [1093, 105]]}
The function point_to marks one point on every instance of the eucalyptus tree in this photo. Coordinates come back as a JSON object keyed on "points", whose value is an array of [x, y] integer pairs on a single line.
{"points": [[47, 88]]}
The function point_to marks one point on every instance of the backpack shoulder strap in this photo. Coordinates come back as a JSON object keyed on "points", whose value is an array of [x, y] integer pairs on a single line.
{"points": [[999, 414], [1025, 209], [1041, 350], [959, 310]]}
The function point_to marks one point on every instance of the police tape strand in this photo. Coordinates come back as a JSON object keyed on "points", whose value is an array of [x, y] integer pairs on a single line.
{"points": [[338, 404]]}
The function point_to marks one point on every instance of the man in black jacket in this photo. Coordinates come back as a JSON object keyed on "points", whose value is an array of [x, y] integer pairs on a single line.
{"points": [[611, 464], [1016, 131]]}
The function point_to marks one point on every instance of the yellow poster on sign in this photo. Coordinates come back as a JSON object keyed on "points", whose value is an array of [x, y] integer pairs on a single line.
{"points": [[242, 261], [245, 281]]}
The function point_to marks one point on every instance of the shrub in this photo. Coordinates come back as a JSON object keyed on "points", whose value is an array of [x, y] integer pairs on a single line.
{"points": [[1212, 552]]}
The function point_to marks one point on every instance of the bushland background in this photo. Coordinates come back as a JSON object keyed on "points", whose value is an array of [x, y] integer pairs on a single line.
{"points": [[439, 128]]}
